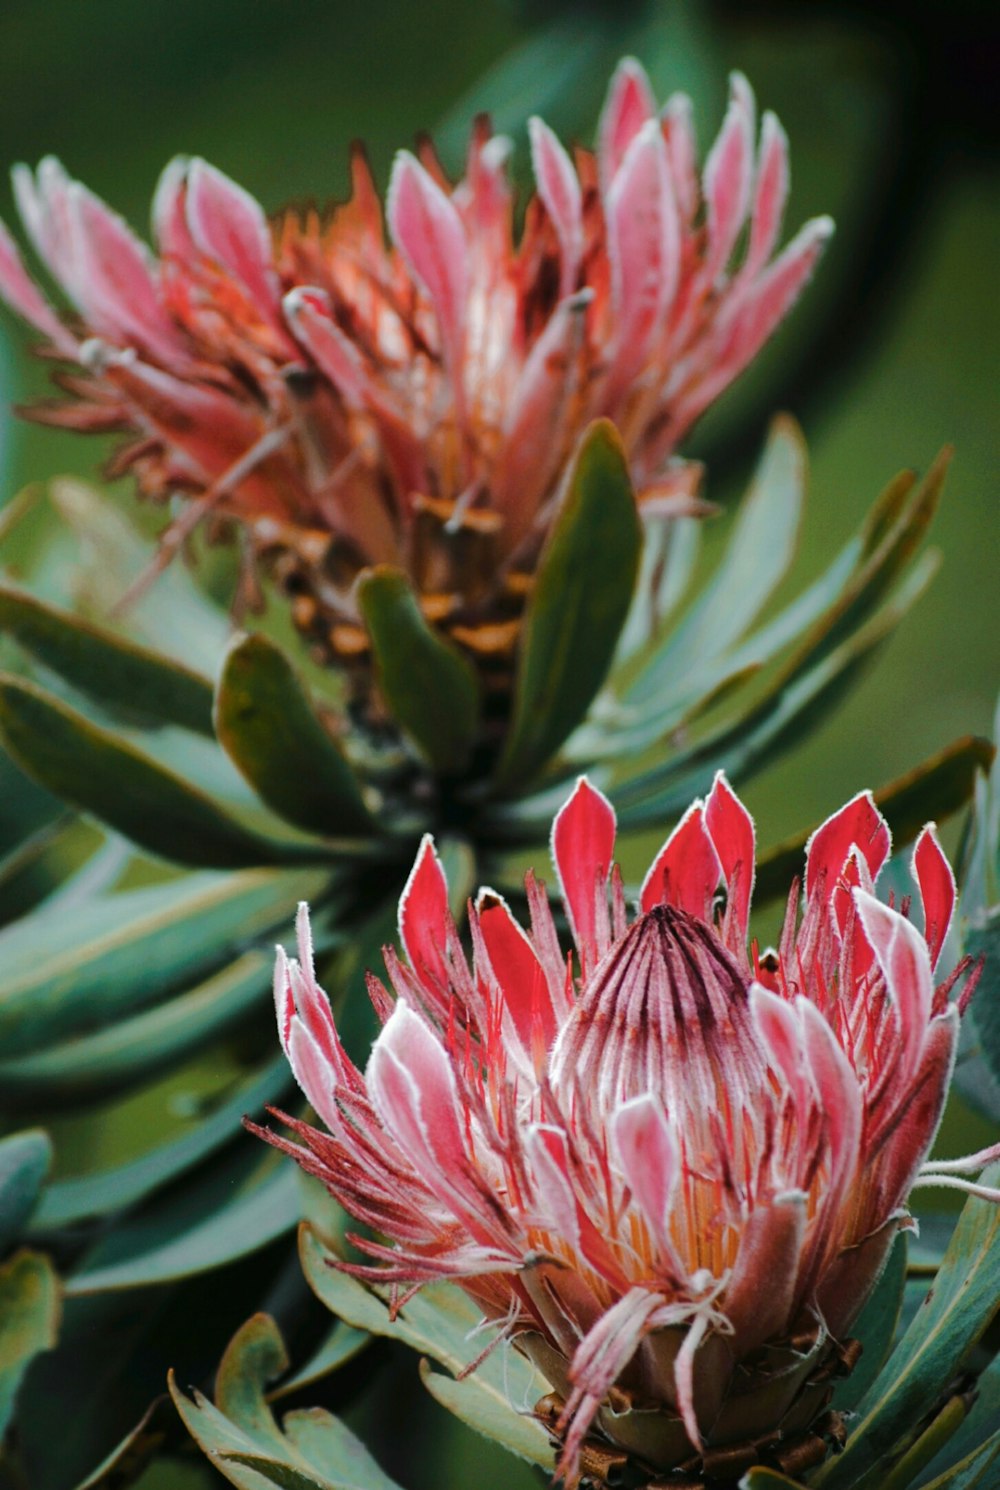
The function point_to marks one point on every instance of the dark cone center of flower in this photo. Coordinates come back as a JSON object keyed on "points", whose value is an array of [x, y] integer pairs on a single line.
{"points": [[665, 1011]]}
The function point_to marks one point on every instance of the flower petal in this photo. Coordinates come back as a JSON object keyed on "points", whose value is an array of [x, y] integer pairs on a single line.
{"points": [[559, 189], [731, 829], [728, 174], [424, 916], [583, 847], [629, 104], [428, 231], [686, 872], [934, 875]]}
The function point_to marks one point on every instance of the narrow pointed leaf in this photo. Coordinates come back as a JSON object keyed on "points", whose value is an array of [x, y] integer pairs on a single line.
{"points": [[794, 702], [978, 1471], [24, 1162], [129, 1050], [494, 1419], [117, 673], [29, 1321], [69, 972], [100, 773], [578, 605], [429, 687], [955, 1314], [267, 725], [939, 786], [983, 940], [312, 1450], [212, 1225], [437, 1323], [107, 1190], [760, 548], [875, 1328], [125, 1462]]}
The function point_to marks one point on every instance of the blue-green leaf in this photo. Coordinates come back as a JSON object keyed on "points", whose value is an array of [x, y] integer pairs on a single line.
{"points": [[311, 1450], [955, 1314], [267, 725], [99, 772], [118, 673], [67, 972], [578, 605], [431, 690], [24, 1162], [30, 1309]]}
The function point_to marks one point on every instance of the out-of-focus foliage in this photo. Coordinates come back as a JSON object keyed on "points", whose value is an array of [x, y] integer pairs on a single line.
{"points": [[135, 1015]]}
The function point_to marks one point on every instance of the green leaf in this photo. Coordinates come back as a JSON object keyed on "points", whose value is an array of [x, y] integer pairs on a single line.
{"points": [[341, 1345], [875, 1327], [216, 1221], [939, 786], [577, 607], [976, 1472], [69, 971], [983, 941], [116, 672], [130, 1049], [484, 1412], [437, 1322], [936, 1434], [955, 1314], [24, 1163], [762, 1478], [312, 1450], [128, 1458], [981, 1423], [793, 704], [98, 772], [266, 723], [760, 548], [173, 614], [30, 1310], [430, 689], [70, 1200]]}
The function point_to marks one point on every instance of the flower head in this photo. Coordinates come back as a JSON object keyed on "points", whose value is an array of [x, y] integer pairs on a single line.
{"points": [[669, 1167], [349, 401]]}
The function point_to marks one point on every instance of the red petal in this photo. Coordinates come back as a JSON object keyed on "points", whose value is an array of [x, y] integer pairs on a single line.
{"points": [[770, 195], [113, 282], [649, 1158], [858, 824], [519, 974], [230, 227], [933, 874], [732, 832], [424, 917], [630, 102], [26, 299], [559, 189], [428, 231], [686, 871], [644, 251], [903, 956], [728, 173], [583, 846]]}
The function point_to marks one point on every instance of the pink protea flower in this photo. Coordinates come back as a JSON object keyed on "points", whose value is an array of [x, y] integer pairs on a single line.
{"points": [[349, 402], [670, 1168]]}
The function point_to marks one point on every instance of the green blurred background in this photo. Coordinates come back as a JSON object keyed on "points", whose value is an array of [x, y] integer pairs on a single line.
{"points": [[890, 356]]}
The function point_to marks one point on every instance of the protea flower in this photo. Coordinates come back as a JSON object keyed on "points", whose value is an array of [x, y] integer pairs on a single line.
{"points": [[669, 1167], [352, 404]]}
